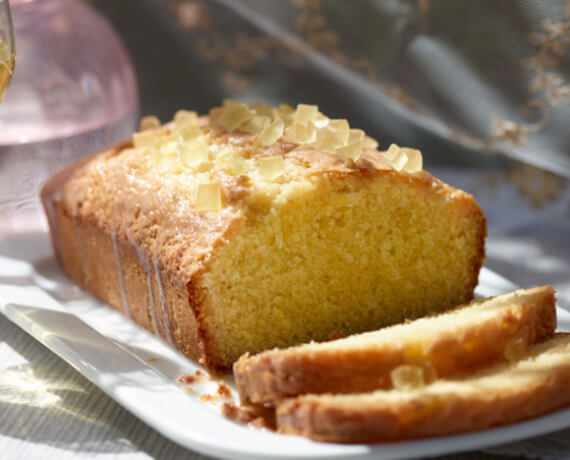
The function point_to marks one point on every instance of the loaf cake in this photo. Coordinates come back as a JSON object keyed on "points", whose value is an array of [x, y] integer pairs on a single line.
{"points": [[502, 394], [464, 339], [257, 227]]}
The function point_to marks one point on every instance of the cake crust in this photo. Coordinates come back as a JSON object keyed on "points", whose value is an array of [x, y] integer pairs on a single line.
{"points": [[138, 243], [496, 396]]}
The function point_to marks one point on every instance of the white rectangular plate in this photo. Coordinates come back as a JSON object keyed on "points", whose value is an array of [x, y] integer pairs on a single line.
{"points": [[141, 372]]}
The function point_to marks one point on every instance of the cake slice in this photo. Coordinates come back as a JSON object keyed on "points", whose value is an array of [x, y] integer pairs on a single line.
{"points": [[467, 338], [502, 394], [258, 227]]}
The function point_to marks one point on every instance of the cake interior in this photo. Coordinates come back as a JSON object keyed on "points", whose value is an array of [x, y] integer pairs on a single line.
{"points": [[340, 255]]}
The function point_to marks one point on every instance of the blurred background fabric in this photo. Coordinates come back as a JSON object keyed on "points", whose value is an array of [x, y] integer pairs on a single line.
{"points": [[445, 76]]}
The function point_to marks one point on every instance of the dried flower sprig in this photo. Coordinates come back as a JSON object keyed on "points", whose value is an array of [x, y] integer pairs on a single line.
{"points": [[551, 41]]}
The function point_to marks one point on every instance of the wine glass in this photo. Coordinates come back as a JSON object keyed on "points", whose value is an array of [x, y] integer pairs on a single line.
{"points": [[7, 47]]}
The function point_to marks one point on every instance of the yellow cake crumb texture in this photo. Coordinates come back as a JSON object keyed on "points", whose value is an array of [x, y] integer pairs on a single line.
{"points": [[191, 152]]}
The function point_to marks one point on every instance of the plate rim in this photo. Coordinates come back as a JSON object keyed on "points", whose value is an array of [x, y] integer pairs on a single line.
{"points": [[208, 444]]}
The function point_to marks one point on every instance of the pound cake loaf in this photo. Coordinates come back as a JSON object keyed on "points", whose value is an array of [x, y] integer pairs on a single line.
{"points": [[537, 383], [257, 227], [464, 339]]}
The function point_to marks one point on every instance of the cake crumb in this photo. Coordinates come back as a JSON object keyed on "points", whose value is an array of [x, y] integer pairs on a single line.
{"points": [[256, 415], [224, 390], [187, 379], [197, 377], [152, 360], [189, 390], [207, 397]]}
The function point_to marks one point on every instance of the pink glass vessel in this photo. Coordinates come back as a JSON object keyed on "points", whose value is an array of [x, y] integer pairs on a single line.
{"points": [[73, 92]]}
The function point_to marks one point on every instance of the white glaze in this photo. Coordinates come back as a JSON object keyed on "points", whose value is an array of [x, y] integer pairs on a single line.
{"points": [[81, 246], [126, 308], [145, 264], [164, 308]]}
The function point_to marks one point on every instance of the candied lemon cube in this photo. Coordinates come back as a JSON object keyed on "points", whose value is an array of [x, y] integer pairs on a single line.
{"points": [[168, 148], [215, 114], [149, 122], [370, 142], [193, 154], [256, 124], [406, 377], [305, 113], [355, 135], [350, 151], [271, 167], [234, 115], [396, 157], [235, 165], [415, 161], [145, 139], [301, 134], [209, 197], [188, 132], [186, 117]]}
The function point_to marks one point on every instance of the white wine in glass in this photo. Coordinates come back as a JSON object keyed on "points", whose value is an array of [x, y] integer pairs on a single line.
{"points": [[7, 49]]}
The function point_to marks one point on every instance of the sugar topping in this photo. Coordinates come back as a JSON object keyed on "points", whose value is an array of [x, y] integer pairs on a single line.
{"points": [[187, 143]]}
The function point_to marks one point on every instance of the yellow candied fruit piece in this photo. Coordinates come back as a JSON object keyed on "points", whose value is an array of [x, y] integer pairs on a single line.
{"points": [[286, 109], [430, 373], [193, 154], [287, 114], [149, 122], [188, 132], [516, 348], [407, 377], [234, 115], [370, 142], [168, 144], [301, 134], [350, 151], [171, 164], [256, 124], [271, 167], [209, 197], [215, 114], [356, 135], [332, 136], [235, 165], [266, 111], [415, 160], [341, 129], [305, 113], [271, 133], [321, 120], [396, 157], [168, 148], [185, 117], [145, 139]]}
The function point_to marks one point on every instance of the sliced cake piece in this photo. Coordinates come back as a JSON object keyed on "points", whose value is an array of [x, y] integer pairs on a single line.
{"points": [[256, 227], [504, 393], [468, 337]]}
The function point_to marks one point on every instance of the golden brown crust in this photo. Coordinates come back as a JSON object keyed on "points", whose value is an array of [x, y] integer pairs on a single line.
{"points": [[163, 250], [378, 417], [278, 374], [88, 257]]}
